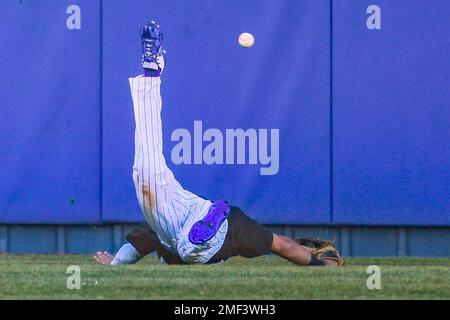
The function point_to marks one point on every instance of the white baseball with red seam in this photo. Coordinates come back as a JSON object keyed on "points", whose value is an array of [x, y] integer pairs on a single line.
{"points": [[246, 40]]}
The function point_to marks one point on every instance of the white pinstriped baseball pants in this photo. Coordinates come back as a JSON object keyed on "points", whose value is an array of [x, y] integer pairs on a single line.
{"points": [[168, 208]]}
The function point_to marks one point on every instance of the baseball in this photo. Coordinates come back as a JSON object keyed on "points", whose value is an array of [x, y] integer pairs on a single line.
{"points": [[246, 40]]}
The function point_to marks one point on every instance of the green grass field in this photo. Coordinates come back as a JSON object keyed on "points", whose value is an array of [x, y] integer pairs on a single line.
{"points": [[44, 277]]}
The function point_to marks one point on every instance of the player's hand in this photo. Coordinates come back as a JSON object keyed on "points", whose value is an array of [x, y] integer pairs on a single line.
{"points": [[104, 258]]}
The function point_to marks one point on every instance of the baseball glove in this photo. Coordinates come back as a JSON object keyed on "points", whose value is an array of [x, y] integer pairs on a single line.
{"points": [[322, 249]]}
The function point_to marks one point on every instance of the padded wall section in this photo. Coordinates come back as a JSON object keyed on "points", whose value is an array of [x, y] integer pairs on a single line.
{"points": [[66, 153], [50, 112], [391, 108], [280, 83]]}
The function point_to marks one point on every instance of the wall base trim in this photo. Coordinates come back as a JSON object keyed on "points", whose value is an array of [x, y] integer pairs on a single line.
{"points": [[353, 241]]}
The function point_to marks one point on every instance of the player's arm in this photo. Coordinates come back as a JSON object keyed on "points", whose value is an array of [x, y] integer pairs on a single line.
{"points": [[127, 254]]}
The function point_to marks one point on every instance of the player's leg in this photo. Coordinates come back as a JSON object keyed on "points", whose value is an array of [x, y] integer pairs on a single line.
{"points": [[170, 210], [245, 237], [148, 161], [154, 182], [150, 167], [164, 202]]}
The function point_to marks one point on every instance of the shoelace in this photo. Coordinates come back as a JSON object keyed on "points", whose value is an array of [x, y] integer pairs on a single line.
{"points": [[150, 48]]}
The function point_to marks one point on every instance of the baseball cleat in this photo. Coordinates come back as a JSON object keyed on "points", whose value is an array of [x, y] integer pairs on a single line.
{"points": [[152, 52], [205, 229]]}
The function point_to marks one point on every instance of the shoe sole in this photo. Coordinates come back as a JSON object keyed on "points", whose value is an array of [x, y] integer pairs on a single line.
{"points": [[205, 229]]}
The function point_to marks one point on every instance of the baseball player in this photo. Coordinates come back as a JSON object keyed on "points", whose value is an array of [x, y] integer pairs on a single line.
{"points": [[182, 227]]}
